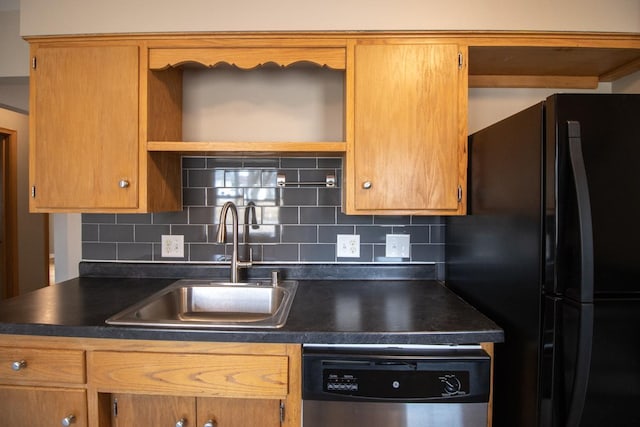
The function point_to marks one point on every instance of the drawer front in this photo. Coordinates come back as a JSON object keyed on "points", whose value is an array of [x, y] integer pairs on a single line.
{"points": [[42, 406], [38, 366], [193, 374]]}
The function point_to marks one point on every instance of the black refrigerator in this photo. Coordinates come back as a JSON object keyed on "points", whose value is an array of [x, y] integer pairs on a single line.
{"points": [[550, 250]]}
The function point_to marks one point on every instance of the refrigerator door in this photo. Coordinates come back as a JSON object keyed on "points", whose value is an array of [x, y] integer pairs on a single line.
{"points": [[574, 357], [572, 255], [599, 364], [610, 142]]}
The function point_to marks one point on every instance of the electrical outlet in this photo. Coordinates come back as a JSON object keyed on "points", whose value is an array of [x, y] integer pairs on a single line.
{"points": [[348, 246], [173, 246], [398, 246]]}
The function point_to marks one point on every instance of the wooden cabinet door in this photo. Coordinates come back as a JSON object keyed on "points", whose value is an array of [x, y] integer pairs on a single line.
{"points": [[42, 407], [84, 130], [239, 412], [409, 152], [157, 411]]}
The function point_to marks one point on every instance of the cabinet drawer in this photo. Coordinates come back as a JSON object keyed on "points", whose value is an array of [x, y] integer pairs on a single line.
{"points": [[42, 406], [37, 366], [193, 374]]}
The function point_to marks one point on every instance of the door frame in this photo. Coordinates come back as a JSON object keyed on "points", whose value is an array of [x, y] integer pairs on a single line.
{"points": [[10, 170]]}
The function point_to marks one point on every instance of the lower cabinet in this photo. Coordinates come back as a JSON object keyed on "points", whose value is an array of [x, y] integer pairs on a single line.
{"points": [[82, 382], [42, 406], [133, 409], [41, 386]]}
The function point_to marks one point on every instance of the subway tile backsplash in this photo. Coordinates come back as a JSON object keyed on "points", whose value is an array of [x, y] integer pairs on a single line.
{"points": [[292, 224]]}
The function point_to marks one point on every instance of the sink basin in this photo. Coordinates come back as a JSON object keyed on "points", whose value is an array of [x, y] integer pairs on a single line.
{"points": [[212, 305]]}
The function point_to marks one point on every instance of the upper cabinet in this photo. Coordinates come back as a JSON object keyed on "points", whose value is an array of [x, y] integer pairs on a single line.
{"points": [[85, 153], [85, 110], [110, 114], [409, 144]]}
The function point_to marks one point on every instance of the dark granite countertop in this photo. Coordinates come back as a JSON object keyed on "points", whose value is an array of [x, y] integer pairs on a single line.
{"points": [[387, 311]]}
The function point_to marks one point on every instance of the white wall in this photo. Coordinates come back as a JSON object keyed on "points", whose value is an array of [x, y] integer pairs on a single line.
{"points": [[14, 58], [629, 84], [31, 236], [67, 245], [98, 16], [14, 51], [14, 92]]}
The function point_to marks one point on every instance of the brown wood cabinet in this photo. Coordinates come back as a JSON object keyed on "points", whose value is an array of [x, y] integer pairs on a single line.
{"points": [[106, 110], [42, 406], [42, 387], [134, 409], [85, 153], [409, 145], [122, 383]]}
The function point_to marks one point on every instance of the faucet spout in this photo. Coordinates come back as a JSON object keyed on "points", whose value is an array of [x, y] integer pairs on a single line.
{"points": [[221, 237]]}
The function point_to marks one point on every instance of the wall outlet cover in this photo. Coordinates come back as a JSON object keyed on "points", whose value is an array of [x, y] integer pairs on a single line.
{"points": [[173, 246], [348, 246], [398, 246]]}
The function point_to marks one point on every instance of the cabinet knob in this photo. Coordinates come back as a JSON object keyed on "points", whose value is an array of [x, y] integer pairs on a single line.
{"points": [[366, 185], [209, 423], [182, 422], [68, 420], [18, 365], [124, 183]]}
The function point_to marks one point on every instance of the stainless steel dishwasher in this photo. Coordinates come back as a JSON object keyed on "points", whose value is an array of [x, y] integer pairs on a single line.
{"points": [[411, 386]]}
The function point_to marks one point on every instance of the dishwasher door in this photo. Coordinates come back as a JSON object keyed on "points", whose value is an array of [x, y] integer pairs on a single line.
{"points": [[395, 387]]}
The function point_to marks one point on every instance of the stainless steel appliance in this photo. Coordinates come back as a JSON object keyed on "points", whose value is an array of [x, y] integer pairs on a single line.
{"points": [[395, 387], [549, 252]]}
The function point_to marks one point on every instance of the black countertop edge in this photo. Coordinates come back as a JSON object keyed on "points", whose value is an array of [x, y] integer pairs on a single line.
{"points": [[261, 271], [257, 336]]}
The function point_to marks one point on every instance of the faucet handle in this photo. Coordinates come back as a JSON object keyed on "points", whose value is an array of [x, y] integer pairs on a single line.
{"points": [[274, 278], [247, 263]]}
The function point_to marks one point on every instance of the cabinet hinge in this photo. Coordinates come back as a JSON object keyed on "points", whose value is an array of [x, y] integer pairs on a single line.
{"points": [[459, 193], [33, 62], [460, 60], [281, 412], [115, 407], [33, 191]]}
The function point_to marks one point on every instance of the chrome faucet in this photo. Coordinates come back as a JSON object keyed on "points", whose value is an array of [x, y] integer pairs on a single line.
{"points": [[221, 237]]}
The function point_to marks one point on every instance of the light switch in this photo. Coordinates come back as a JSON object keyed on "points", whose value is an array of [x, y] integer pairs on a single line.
{"points": [[398, 246]]}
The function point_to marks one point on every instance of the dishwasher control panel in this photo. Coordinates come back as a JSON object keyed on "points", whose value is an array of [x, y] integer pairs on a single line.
{"points": [[396, 376], [399, 382]]}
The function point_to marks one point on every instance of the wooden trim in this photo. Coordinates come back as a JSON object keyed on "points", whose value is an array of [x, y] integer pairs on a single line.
{"points": [[293, 407], [246, 57], [489, 348], [243, 148], [10, 202], [321, 37], [463, 132], [511, 81]]}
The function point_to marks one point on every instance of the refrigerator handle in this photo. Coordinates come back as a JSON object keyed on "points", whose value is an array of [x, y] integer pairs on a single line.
{"points": [[584, 212], [582, 366]]}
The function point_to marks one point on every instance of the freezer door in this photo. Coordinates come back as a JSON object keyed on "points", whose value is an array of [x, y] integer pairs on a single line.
{"points": [[610, 148]]}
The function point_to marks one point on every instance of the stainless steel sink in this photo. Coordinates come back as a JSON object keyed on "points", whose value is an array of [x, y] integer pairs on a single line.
{"points": [[211, 305]]}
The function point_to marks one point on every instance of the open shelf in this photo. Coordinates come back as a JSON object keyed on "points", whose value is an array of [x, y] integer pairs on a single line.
{"points": [[251, 148]]}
